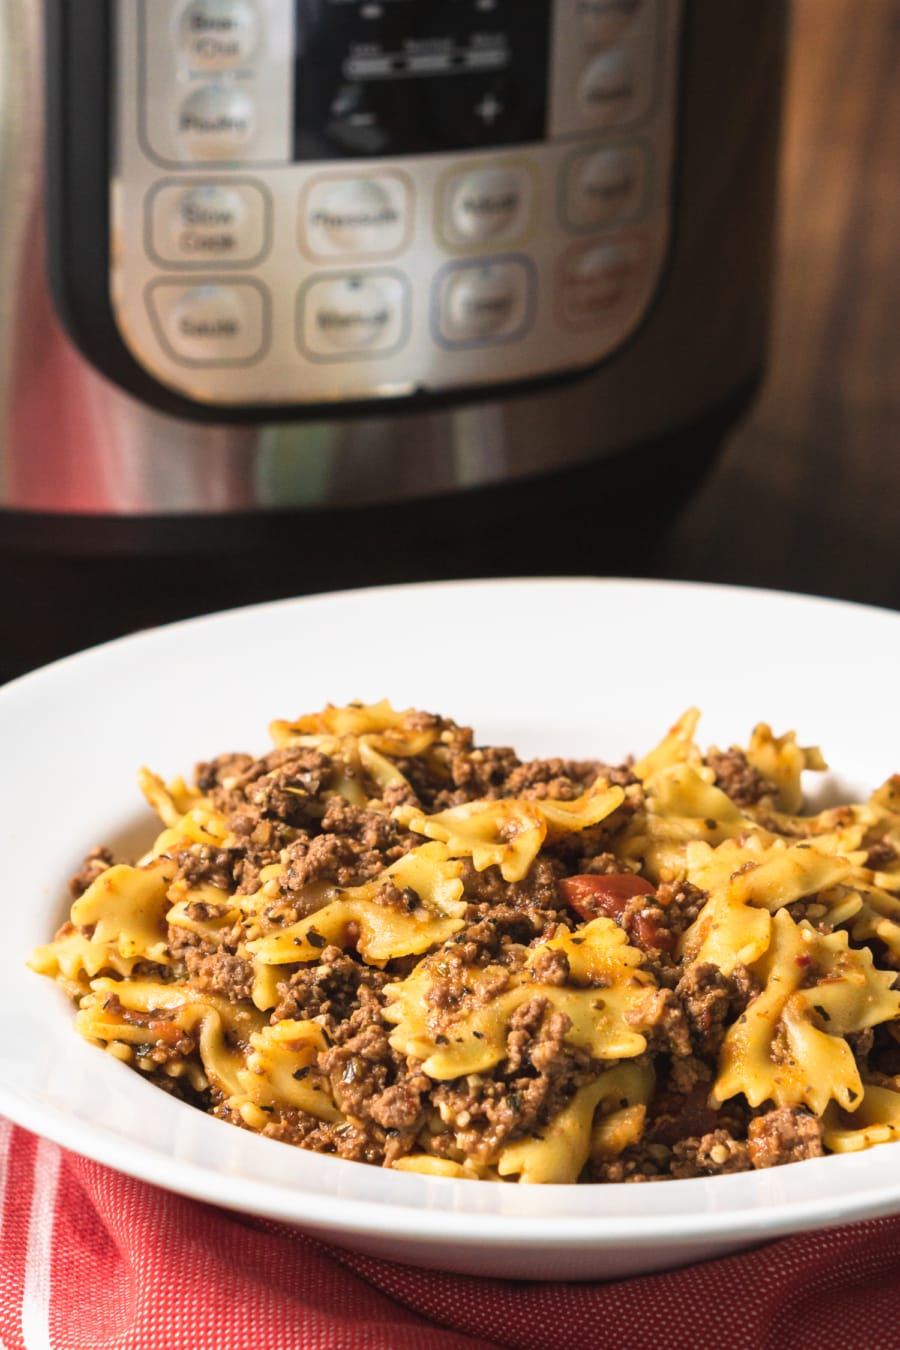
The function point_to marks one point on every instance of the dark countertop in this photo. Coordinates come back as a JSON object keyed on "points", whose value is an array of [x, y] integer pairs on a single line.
{"points": [[806, 494]]}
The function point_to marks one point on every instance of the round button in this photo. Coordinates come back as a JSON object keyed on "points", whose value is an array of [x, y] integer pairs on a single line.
{"points": [[204, 216], [487, 203], [357, 216], [484, 302], [352, 314], [599, 279], [602, 21], [219, 34], [216, 122], [608, 87], [605, 185], [211, 324]]}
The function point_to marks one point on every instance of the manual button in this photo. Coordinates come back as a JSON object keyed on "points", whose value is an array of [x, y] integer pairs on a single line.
{"points": [[212, 325], [353, 316]]}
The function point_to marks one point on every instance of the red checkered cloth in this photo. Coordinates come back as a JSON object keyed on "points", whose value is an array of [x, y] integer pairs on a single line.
{"points": [[91, 1260]]}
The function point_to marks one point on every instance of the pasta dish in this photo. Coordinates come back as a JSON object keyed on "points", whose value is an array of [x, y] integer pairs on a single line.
{"points": [[385, 942]]}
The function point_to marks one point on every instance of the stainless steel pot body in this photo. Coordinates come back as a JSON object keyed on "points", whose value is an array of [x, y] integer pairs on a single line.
{"points": [[72, 442]]}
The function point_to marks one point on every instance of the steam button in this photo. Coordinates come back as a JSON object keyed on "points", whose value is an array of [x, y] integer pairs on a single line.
{"points": [[605, 185], [219, 34], [211, 325], [216, 122], [354, 315]]}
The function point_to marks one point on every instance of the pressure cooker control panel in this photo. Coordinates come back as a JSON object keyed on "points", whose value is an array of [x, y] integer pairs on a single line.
{"points": [[328, 200]]}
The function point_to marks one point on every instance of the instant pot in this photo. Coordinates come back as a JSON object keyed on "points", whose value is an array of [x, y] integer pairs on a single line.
{"points": [[296, 294]]}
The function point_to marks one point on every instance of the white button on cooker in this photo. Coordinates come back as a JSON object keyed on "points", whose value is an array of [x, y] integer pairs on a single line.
{"points": [[609, 88], [600, 281], [217, 122], [210, 325], [353, 316], [218, 34], [208, 223], [484, 303], [355, 217], [604, 185], [602, 21], [487, 204]]}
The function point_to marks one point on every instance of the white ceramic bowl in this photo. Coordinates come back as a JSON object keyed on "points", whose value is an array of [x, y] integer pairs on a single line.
{"points": [[571, 667]]}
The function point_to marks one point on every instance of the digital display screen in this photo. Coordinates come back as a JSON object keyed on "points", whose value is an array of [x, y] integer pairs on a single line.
{"points": [[405, 77]]}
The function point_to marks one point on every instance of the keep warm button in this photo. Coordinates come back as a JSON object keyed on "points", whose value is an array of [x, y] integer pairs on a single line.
{"points": [[352, 317], [213, 325]]}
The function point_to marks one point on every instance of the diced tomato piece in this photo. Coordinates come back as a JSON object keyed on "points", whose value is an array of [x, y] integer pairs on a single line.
{"points": [[591, 895]]}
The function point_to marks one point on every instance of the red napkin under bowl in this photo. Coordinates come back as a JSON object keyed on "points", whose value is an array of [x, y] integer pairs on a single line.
{"points": [[93, 1260]]}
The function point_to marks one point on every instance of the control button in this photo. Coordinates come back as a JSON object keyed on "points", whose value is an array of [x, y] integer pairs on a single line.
{"points": [[487, 204], [219, 34], [353, 316], [605, 185], [599, 281], [216, 122], [358, 217], [608, 89], [214, 325], [490, 302], [208, 223], [602, 21]]}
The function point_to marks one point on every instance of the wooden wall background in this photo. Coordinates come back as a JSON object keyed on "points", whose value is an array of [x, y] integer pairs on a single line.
{"points": [[807, 495]]}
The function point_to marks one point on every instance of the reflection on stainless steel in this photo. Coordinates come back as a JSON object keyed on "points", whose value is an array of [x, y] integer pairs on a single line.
{"points": [[71, 442]]}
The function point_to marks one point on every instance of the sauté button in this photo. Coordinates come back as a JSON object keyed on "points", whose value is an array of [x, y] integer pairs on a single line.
{"points": [[219, 34], [216, 122], [211, 325]]}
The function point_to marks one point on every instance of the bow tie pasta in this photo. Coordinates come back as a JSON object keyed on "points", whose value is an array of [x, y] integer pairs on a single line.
{"points": [[382, 941]]}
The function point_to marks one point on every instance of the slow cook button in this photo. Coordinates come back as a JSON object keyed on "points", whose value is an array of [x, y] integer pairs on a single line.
{"points": [[602, 21], [219, 34], [487, 204], [605, 185], [211, 325], [358, 217], [353, 316], [608, 89], [208, 223], [600, 281], [216, 122], [485, 303]]}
